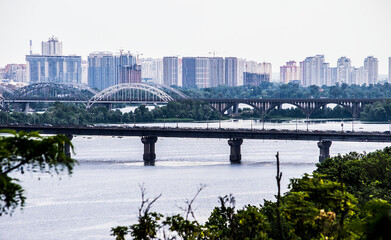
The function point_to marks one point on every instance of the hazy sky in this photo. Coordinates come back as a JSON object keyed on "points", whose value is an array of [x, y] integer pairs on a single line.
{"points": [[262, 30]]}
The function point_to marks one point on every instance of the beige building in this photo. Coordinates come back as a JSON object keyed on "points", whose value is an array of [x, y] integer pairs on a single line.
{"points": [[289, 72]]}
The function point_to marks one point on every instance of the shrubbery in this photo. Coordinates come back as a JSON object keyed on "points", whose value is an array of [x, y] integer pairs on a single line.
{"points": [[346, 197]]}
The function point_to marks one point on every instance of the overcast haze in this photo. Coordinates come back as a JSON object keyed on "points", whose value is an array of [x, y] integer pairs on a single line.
{"points": [[275, 31]]}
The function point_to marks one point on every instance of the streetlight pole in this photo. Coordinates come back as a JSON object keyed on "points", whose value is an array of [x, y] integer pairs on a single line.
{"points": [[296, 124], [207, 122], [342, 124], [177, 120], [164, 121], [219, 121], [251, 123]]}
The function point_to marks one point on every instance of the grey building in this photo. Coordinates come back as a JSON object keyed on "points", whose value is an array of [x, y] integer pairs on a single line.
{"points": [[51, 66], [170, 71], [101, 70], [106, 70], [189, 72], [216, 70], [52, 47], [62, 69], [231, 71], [255, 79], [122, 63]]}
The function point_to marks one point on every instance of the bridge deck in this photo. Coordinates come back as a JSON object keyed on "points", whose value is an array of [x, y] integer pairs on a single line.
{"points": [[207, 133]]}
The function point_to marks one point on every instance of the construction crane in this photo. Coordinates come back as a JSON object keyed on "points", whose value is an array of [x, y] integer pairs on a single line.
{"points": [[213, 53], [137, 57]]}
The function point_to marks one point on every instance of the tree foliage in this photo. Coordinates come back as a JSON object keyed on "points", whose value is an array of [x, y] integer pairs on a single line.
{"points": [[69, 114], [292, 90], [23, 152], [346, 197]]}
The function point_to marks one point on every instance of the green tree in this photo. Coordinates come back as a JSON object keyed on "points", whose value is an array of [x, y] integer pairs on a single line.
{"points": [[22, 152]]}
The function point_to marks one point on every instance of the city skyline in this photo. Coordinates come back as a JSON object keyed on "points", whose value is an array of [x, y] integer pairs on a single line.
{"points": [[195, 28]]}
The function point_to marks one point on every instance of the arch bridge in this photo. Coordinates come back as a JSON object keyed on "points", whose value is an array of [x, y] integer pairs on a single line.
{"points": [[130, 93], [78, 93], [306, 105]]}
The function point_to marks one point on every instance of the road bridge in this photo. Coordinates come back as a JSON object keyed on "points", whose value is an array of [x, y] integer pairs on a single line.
{"points": [[150, 135], [141, 93], [306, 105]]}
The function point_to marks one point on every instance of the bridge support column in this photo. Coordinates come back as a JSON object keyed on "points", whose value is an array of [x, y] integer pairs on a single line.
{"points": [[235, 144], [149, 150], [109, 106], [324, 147], [67, 147], [26, 106], [235, 109]]}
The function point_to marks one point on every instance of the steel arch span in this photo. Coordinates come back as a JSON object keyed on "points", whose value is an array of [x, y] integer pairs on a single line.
{"points": [[176, 91], [130, 93], [2, 102], [47, 91], [5, 89]]}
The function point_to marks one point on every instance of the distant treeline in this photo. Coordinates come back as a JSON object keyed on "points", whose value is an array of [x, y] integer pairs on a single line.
{"points": [[292, 90], [189, 110], [69, 114]]}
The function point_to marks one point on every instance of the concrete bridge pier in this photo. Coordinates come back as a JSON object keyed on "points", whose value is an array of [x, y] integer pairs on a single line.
{"points": [[25, 108], [235, 144], [324, 147], [149, 150], [67, 147]]}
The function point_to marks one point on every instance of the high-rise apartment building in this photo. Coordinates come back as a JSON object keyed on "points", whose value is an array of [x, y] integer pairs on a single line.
{"points": [[255, 79], [326, 74], [196, 72], [389, 69], [241, 69], [312, 71], [16, 72], [170, 71], [359, 76], [51, 66], [180, 81], [216, 68], [231, 71], [289, 72], [62, 69], [333, 75], [203, 72], [52, 47], [2, 73], [84, 72], [371, 65], [189, 72], [101, 70], [130, 74], [123, 63], [106, 69], [344, 70], [152, 70], [266, 68]]}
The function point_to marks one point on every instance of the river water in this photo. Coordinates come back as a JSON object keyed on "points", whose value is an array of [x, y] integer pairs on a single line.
{"points": [[104, 190]]}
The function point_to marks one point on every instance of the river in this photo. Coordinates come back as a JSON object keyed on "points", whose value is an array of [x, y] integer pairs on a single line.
{"points": [[104, 191]]}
